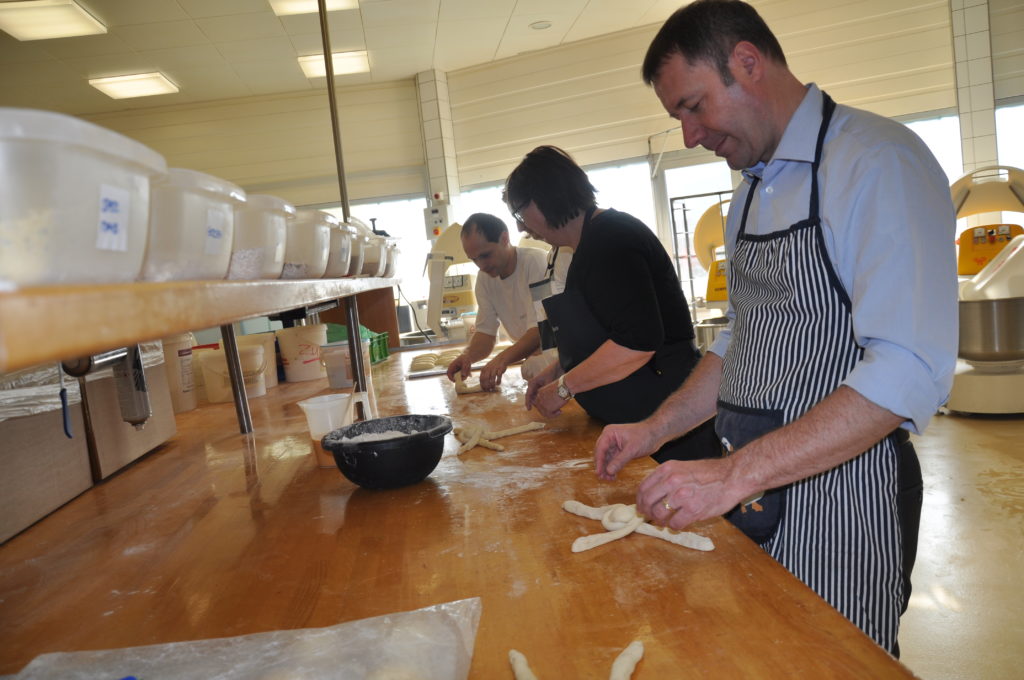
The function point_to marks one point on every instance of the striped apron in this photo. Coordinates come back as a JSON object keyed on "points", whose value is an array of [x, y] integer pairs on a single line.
{"points": [[792, 345]]}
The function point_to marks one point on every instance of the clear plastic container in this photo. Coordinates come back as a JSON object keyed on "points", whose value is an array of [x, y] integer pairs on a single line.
{"points": [[308, 245], [74, 200], [191, 227], [360, 243], [261, 233], [342, 236]]}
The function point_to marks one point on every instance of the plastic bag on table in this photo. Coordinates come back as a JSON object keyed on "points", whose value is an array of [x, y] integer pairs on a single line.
{"points": [[433, 643]]}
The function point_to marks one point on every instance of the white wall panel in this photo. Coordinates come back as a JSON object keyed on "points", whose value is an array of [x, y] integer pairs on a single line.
{"points": [[1006, 18], [283, 145], [895, 59]]}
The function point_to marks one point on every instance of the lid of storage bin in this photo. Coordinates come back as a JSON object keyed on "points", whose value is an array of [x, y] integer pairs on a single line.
{"points": [[269, 203], [200, 181], [47, 126], [307, 215], [362, 233]]}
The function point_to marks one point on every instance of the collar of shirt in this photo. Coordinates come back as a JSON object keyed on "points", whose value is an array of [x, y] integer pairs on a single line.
{"points": [[796, 144]]}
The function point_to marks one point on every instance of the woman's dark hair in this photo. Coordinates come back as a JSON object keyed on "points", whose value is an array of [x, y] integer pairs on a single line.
{"points": [[487, 224], [551, 179], [708, 30]]}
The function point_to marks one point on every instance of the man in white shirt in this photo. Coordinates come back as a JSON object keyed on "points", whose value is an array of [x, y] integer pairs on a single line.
{"points": [[502, 296]]}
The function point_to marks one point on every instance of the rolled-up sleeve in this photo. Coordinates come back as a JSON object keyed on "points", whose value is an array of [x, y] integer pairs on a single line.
{"points": [[894, 248]]}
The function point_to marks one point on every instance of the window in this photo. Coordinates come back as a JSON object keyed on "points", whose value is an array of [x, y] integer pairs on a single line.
{"points": [[942, 136], [627, 188], [403, 220]]}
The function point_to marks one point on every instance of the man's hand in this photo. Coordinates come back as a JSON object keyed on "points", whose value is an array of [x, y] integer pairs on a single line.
{"points": [[619, 444], [679, 493], [490, 375], [545, 377], [462, 364]]}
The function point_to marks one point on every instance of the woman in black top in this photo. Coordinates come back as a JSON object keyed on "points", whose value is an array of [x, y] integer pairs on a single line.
{"points": [[623, 329]]}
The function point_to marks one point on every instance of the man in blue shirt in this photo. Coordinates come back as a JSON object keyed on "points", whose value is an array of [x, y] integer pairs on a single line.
{"points": [[843, 321]]}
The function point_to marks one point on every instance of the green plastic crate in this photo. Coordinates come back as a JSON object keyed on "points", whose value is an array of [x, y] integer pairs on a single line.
{"points": [[378, 347]]}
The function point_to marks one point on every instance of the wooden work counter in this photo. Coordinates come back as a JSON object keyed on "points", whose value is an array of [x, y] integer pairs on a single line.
{"points": [[221, 534]]}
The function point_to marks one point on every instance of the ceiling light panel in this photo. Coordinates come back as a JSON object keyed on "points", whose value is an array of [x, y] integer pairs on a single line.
{"points": [[45, 19], [135, 85], [285, 7], [343, 62]]}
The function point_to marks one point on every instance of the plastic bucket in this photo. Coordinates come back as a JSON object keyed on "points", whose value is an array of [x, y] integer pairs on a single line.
{"points": [[338, 364], [308, 245], [180, 371], [324, 414], [218, 382], [265, 340], [300, 351]]}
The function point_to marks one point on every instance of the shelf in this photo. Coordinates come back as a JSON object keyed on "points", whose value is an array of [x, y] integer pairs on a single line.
{"points": [[52, 323]]}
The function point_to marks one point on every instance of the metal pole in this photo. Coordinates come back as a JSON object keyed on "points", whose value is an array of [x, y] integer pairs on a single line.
{"points": [[227, 334], [335, 127]]}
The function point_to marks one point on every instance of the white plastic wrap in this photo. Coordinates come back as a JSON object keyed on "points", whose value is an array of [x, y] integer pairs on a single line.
{"points": [[36, 389], [433, 643]]}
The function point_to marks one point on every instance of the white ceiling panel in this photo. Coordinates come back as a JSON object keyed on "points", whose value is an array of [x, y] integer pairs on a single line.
{"points": [[162, 35], [251, 26], [125, 12], [267, 49], [221, 8], [87, 46]]}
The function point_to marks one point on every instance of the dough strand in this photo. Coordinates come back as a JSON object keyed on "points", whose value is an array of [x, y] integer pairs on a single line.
{"points": [[625, 663], [520, 667]]}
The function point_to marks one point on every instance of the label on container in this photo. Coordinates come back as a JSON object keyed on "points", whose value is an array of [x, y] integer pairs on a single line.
{"points": [[114, 218], [214, 232]]}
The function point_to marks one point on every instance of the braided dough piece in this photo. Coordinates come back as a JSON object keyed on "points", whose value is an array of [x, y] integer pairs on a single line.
{"points": [[528, 427], [685, 539], [462, 387]]}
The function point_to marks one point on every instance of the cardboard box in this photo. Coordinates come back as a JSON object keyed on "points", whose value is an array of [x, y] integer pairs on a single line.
{"points": [[118, 443], [42, 468]]}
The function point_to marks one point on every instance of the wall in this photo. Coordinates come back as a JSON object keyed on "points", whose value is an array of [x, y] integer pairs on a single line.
{"points": [[282, 144], [1006, 18], [891, 58]]}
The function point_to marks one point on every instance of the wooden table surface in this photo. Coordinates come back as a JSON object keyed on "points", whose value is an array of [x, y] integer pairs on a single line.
{"points": [[220, 534]]}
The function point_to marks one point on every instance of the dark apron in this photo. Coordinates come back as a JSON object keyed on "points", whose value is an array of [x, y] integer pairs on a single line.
{"points": [[578, 334], [540, 291]]}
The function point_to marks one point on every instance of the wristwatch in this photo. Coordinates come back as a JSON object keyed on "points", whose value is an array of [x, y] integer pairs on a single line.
{"points": [[563, 390]]}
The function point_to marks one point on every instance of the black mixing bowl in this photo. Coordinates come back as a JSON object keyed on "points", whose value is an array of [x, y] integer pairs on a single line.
{"points": [[373, 462]]}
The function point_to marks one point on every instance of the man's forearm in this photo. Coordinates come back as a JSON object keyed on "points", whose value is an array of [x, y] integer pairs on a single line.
{"points": [[522, 348], [839, 428], [480, 346]]}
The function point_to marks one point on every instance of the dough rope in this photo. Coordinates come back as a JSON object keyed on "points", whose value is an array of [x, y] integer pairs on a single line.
{"points": [[625, 663], [611, 518], [520, 667]]}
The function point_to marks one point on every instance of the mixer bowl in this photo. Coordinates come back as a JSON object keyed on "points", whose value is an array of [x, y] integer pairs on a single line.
{"points": [[992, 330], [386, 453]]}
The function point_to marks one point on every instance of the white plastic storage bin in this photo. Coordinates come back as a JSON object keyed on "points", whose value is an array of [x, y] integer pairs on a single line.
{"points": [[342, 236], [74, 200], [392, 266], [191, 227], [261, 232], [375, 261], [360, 246], [308, 245]]}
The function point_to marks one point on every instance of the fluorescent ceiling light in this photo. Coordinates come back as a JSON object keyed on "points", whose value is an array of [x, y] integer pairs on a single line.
{"points": [[136, 85], [43, 19], [344, 62], [285, 7]]}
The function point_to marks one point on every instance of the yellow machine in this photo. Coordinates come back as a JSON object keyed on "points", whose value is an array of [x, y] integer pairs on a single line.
{"points": [[989, 375], [708, 238], [980, 245]]}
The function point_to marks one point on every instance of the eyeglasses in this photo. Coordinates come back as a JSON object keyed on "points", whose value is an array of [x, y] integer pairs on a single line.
{"points": [[517, 213]]}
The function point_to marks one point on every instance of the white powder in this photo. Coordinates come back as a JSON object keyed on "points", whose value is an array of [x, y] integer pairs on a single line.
{"points": [[294, 270], [246, 264], [374, 436]]}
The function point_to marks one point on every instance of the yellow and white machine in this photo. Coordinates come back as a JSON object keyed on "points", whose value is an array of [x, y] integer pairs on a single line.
{"points": [[709, 244], [450, 296], [989, 375]]}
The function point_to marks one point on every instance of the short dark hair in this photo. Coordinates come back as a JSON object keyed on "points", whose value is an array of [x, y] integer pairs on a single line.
{"points": [[550, 178], [708, 30], [490, 226]]}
